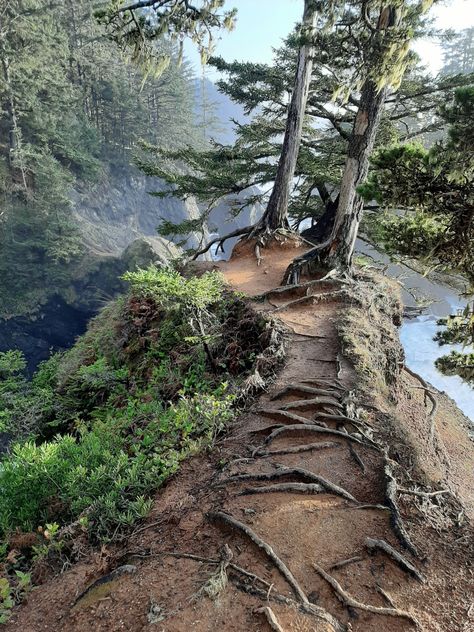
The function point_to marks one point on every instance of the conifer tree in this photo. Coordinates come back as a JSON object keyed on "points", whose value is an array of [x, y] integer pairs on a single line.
{"points": [[387, 30]]}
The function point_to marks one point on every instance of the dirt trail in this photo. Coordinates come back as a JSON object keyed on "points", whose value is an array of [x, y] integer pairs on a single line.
{"points": [[294, 473]]}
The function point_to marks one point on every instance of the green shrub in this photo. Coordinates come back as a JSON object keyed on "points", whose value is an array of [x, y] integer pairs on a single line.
{"points": [[101, 426], [111, 468], [171, 290]]}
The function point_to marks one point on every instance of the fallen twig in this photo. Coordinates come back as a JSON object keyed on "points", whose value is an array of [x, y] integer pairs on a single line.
{"points": [[350, 560], [385, 595], [416, 492]]}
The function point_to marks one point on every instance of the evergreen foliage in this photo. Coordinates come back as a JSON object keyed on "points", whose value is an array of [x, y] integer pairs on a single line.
{"points": [[230, 171], [71, 108], [104, 424], [436, 189]]}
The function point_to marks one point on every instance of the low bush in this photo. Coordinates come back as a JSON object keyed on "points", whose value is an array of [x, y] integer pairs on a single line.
{"points": [[101, 426]]}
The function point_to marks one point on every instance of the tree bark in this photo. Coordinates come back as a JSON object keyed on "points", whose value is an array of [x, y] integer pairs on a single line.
{"points": [[349, 211], [276, 214]]}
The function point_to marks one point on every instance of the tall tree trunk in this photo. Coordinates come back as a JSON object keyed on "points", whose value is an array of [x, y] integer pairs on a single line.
{"points": [[15, 154], [349, 211], [276, 214]]}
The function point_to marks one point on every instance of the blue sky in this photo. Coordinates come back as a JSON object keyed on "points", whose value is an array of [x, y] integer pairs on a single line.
{"points": [[262, 24]]}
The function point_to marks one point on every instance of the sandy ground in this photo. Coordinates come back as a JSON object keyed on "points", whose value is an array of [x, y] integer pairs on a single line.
{"points": [[303, 526]]}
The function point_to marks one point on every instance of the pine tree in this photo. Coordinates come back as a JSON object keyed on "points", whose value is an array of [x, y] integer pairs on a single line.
{"points": [[236, 170], [387, 30], [70, 107], [458, 53]]}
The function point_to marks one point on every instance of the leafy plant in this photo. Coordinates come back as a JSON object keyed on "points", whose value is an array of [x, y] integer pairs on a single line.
{"points": [[13, 592]]}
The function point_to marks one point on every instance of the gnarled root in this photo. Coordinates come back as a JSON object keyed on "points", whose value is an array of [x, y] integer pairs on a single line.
{"points": [[373, 544], [285, 472], [305, 428], [303, 388], [310, 403], [350, 602], [322, 445], [219, 516], [391, 498], [291, 488], [313, 299]]}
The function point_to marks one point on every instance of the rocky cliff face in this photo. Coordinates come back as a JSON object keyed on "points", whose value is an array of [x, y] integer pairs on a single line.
{"points": [[64, 317], [118, 219], [120, 209]]}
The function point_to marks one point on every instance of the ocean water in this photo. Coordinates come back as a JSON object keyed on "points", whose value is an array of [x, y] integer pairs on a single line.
{"points": [[421, 351]]}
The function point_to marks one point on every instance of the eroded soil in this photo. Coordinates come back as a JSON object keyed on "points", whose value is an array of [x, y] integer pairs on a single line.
{"points": [[309, 522]]}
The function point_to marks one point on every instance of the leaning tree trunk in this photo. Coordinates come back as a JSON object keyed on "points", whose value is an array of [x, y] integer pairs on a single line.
{"points": [[276, 214], [349, 211]]}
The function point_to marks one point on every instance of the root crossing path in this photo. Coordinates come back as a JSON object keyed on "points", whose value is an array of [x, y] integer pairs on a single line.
{"points": [[294, 522]]}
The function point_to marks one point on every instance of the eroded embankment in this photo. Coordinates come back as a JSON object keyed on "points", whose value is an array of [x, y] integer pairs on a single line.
{"points": [[335, 503]]}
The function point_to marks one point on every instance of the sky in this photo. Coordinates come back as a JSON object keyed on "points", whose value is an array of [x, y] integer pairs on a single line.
{"points": [[262, 24]]}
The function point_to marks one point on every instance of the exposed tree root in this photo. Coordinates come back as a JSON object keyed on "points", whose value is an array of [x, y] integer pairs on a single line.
{"points": [[350, 602], [430, 396], [204, 560], [285, 416], [357, 458], [305, 608], [305, 287], [261, 231], [298, 488], [316, 478], [302, 388], [314, 299], [219, 516], [328, 382], [309, 403], [271, 618], [342, 563], [221, 240], [305, 428], [300, 448], [285, 472], [391, 498], [374, 544]]}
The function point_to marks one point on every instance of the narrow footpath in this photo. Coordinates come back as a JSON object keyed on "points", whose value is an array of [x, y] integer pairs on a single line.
{"points": [[314, 513]]}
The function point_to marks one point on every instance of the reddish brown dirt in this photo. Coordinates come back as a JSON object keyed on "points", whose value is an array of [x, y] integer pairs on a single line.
{"points": [[165, 593]]}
